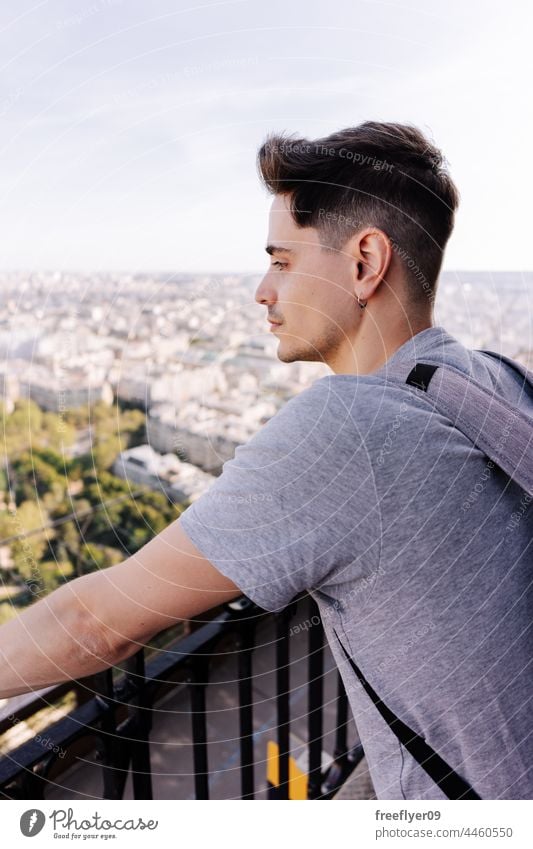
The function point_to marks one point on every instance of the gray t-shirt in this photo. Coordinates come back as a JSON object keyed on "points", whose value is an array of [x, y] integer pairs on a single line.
{"points": [[418, 551]]}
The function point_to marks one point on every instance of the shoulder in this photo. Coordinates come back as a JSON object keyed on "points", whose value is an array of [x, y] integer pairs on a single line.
{"points": [[333, 393], [318, 409], [315, 428]]}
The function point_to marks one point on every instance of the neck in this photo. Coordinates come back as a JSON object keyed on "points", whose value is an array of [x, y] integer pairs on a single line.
{"points": [[373, 346]]}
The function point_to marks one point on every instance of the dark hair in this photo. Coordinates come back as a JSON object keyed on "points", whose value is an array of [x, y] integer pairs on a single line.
{"points": [[379, 174]]}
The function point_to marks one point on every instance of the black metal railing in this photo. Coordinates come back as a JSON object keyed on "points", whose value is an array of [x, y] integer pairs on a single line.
{"points": [[116, 721]]}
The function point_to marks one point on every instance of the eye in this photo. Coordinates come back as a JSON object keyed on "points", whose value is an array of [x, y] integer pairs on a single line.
{"points": [[278, 264]]}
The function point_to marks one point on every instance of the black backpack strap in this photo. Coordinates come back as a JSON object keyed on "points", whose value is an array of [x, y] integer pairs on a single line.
{"points": [[499, 428], [451, 784]]}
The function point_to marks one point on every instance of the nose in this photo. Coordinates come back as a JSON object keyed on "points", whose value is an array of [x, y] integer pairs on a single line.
{"points": [[265, 292]]}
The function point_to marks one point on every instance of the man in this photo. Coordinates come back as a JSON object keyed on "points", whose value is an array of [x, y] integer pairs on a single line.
{"points": [[356, 491]]}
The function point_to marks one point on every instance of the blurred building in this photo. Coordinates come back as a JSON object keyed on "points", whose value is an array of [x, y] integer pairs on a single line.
{"points": [[162, 472]]}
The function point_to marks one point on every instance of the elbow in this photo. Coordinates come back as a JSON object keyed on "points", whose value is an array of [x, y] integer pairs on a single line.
{"points": [[104, 647], [96, 647], [96, 644]]}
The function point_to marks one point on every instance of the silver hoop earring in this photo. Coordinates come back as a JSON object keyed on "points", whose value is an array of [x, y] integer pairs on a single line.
{"points": [[362, 304]]}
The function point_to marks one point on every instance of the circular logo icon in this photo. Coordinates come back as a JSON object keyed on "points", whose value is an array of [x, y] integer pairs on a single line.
{"points": [[32, 822]]}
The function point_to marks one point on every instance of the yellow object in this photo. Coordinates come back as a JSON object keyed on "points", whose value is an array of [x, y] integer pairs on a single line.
{"points": [[297, 778]]}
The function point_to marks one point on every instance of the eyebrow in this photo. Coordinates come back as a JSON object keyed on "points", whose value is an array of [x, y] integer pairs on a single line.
{"points": [[277, 249]]}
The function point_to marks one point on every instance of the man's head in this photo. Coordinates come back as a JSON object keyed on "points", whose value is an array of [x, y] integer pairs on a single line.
{"points": [[361, 216]]}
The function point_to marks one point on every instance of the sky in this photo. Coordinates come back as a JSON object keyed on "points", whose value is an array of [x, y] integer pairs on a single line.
{"points": [[130, 129]]}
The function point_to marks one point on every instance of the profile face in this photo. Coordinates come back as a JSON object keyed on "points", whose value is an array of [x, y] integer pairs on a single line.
{"points": [[308, 290]]}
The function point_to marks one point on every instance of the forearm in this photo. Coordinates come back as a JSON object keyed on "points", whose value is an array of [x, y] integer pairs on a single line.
{"points": [[54, 640]]}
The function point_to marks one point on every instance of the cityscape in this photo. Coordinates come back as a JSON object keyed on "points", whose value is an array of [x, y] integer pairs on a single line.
{"points": [[193, 352]]}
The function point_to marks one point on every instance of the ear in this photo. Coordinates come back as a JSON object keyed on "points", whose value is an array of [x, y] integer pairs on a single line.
{"points": [[372, 254]]}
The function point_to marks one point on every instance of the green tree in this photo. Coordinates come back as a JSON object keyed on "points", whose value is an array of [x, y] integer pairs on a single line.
{"points": [[35, 476], [132, 428], [106, 449], [22, 428], [77, 417], [28, 550], [94, 557], [57, 433]]}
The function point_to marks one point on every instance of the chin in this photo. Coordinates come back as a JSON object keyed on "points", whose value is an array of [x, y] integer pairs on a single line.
{"points": [[294, 355]]}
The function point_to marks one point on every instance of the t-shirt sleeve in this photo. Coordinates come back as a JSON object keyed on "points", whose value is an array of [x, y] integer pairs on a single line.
{"points": [[288, 510]]}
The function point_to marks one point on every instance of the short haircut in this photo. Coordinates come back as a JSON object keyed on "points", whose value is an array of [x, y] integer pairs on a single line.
{"points": [[377, 174]]}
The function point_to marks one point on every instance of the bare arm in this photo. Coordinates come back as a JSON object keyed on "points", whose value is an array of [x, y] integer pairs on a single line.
{"points": [[48, 643], [100, 619]]}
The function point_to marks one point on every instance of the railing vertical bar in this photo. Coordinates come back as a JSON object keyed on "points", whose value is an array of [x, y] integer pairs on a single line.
{"points": [[282, 699], [140, 746], [197, 685], [113, 750], [246, 713], [341, 736], [316, 701], [341, 766]]}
